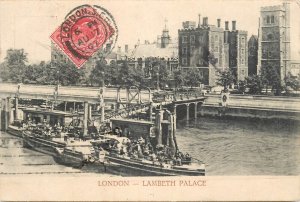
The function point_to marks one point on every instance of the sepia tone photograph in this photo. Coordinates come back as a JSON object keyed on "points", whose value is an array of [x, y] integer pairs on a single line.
{"points": [[167, 100]]}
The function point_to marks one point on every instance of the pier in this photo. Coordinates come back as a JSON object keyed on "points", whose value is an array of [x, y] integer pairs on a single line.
{"points": [[125, 102]]}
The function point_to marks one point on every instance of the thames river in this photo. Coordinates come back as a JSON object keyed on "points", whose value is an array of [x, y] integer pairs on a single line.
{"points": [[227, 147]]}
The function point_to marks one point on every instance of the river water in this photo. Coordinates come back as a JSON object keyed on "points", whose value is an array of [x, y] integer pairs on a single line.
{"points": [[243, 147], [227, 147]]}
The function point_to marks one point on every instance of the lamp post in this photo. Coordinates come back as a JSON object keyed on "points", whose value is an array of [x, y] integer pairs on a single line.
{"points": [[101, 96], [57, 85], [157, 78]]}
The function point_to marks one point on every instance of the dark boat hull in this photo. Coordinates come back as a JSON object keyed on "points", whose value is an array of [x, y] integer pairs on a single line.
{"points": [[128, 167], [41, 145], [50, 147]]}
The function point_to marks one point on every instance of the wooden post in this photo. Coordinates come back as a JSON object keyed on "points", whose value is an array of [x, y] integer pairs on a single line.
{"points": [[90, 112], [66, 106], [85, 118], [16, 108], [196, 110], [187, 113], [150, 111]]}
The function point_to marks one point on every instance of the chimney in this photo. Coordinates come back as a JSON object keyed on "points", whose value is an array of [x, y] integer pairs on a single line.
{"points": [[233, 25], [199, 20], [219, 22], [205, 21], [108, 47], [226, 25], [126, 48]]}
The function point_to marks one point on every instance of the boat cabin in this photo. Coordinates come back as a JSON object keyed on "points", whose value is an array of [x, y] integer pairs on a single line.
{"points": [[39, 115]]}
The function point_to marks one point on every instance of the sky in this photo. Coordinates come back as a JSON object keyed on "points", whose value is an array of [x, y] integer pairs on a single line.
{"points": [[29, 24]]}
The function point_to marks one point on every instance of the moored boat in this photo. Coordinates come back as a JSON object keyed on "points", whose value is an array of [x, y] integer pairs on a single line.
{"points": [[65, 150], [122, 163]]}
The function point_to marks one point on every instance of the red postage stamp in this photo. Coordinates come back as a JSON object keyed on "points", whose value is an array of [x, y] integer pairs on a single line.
{"points": [[84, 31]]}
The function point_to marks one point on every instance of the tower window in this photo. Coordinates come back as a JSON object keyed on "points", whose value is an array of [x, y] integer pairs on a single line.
{"points": [[216, 38], [184, 39], [201, 39], [192, 39], [200, 50], [243, 41], [192, 49], [268, 19], [270, 36], [184, 50], [242, 52], [272, 19], [184, 61]]}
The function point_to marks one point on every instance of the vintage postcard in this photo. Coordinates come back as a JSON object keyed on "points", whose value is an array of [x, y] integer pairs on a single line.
{"points": [[154, 100]]}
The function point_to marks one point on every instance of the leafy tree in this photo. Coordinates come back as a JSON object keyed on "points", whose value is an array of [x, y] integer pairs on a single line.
{"points": [[16, 63], [226, 78], [97, 75], [270, 76], [193, 77], [129, 76], [292, 81], [179, 77], [4, 71], [254, 83], [242, 86]]}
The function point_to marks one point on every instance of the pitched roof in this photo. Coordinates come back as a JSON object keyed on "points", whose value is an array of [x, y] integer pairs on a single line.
{"points": [[152, 50]]}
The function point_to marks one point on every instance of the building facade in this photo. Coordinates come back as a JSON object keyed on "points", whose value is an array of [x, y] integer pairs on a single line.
{"points": [[252, 55], [228, 48], [197, 44], [238, 51], [274, 39], [294, 66]]}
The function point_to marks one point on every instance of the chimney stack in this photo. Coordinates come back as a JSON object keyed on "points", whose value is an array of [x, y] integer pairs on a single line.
{"points": [[126, 48], [108, 47], [226, 25], [205, 21], [233, 25], [219, 22], [199, 20]]}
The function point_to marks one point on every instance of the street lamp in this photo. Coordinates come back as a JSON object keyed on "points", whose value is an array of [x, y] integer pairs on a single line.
{"points": [[157, 78]]}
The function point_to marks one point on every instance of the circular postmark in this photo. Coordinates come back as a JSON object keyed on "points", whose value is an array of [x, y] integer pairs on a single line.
{"points": [[86, 30]]}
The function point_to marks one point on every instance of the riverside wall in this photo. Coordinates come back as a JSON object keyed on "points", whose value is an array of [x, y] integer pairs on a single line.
{"points": [[247, 106]]}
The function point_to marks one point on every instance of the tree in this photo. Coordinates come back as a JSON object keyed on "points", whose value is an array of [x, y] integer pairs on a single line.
{"points": [[270, 76], [242, 86], [179, 77], [226, 78], [254, 83], [16, 63], [97, 74], [4, 71], [193, 77], [292, 81]]}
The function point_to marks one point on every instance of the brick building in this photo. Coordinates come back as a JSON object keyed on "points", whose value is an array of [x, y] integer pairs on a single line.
{"points": [[274, 39], [196, 44], [252, 55], [238, 50]]}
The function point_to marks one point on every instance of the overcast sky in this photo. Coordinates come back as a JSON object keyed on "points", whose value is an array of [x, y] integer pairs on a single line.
{"points": [[29, 24]]}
